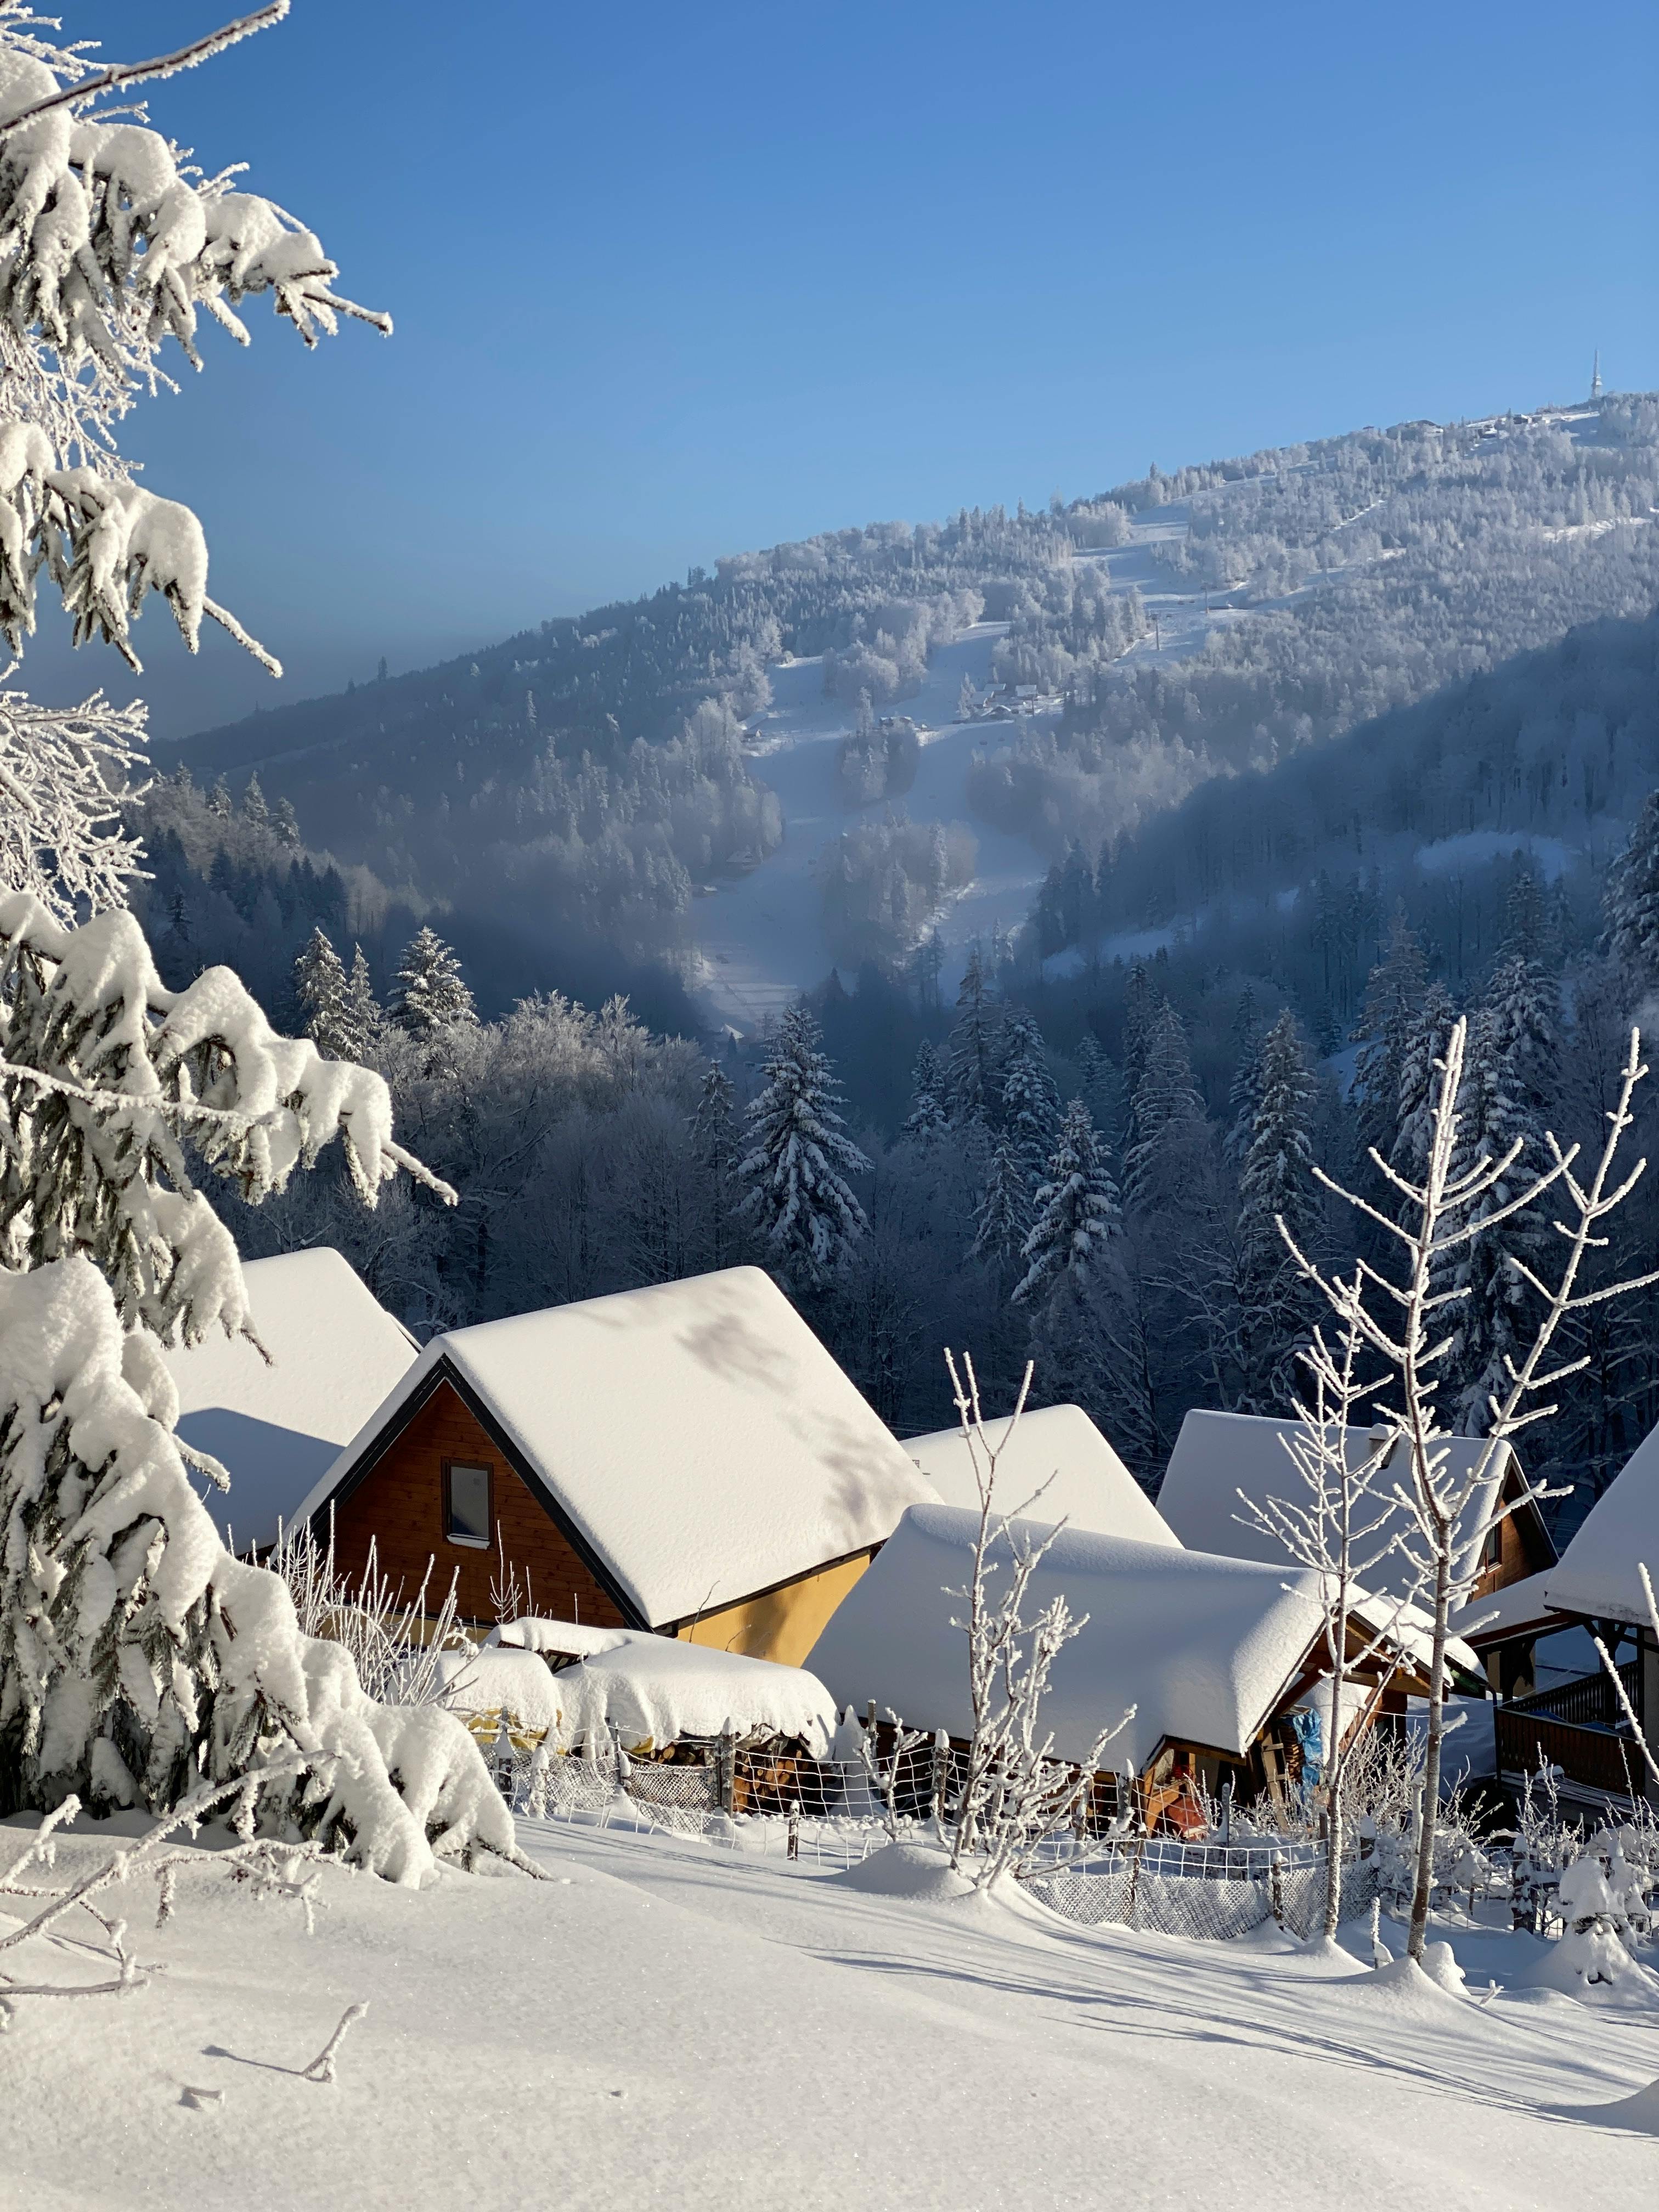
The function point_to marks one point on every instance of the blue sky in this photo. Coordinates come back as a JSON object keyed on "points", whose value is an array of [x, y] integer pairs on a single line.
{"points": [[671, 280]]}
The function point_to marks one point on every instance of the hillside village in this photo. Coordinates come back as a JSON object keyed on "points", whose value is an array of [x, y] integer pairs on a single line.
{"points": [[707, 1493]]}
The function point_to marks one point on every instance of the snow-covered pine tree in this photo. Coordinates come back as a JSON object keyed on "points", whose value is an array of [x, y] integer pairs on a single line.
{"points": [[1244, 1093], [971, 1052], [1490, 1324], [218, 800], [136, 1656], [1002, 1217], [1522, 1007], [319, 986], [114, 245], [254, 809], [1276, 1183], [1167, 1129], [360, 1019], [715, 1144], [1631, 903], [286, 822], [1393, 994], [1140, 1007], [1078, 1213], [429, 994], [928, 1120], [799, 1201], [1423, 1050], [1030, 1103]]}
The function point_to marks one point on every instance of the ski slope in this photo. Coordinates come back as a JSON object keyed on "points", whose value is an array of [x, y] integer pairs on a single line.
{"points": [[759, 938]]}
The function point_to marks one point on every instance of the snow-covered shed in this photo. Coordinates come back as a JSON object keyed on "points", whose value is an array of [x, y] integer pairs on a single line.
{"points": [[1087, 1484], [686, 1458], [652, 1690], [1217, 1456], [1213, 1654], [1596, 1577], [278, 1426]]}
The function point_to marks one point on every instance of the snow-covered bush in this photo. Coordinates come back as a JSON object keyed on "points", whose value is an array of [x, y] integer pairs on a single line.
{"points": [[137, 1657]]}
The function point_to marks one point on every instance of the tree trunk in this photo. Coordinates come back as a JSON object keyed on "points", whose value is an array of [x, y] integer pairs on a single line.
{"points": [[1428, 1817]]}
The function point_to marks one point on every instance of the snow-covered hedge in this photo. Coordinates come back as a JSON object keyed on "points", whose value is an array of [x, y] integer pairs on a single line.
{"points": [[136, 1654]]}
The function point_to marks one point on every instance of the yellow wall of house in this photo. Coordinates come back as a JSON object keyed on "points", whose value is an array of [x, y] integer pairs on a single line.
{"points": [[783, 1624]]}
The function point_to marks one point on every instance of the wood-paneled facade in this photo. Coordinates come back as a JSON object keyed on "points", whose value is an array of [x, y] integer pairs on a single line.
{"points": [[395, 1498]]}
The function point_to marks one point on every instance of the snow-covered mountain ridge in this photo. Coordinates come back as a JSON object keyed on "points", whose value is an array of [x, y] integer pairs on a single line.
{"points": [[662, 774]]}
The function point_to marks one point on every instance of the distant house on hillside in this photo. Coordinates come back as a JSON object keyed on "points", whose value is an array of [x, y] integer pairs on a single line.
{"points": [[1579, 1726], [1222, 1659], [686, 1458], [277, 1427], [1217, 1456], [1058, 1451]]}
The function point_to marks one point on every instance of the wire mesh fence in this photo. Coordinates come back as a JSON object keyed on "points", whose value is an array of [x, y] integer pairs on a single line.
{"points": [[1211, 1893], [827, 1815]]}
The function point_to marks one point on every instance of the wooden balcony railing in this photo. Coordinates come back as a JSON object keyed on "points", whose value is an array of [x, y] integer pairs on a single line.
{"points": [[1588, 1702], [1598, 1758]]}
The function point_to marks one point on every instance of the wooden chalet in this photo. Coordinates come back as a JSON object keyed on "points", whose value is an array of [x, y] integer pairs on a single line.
{"points": [[686, 1458], [1221, 1659], [1579, 1725], [1217, 1456]]}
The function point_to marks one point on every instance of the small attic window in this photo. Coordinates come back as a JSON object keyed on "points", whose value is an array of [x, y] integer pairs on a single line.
{"points": [[466, 1503]]}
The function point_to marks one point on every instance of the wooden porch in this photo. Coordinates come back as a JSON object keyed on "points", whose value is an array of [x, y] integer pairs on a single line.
{"points": [[1579, 1727]]}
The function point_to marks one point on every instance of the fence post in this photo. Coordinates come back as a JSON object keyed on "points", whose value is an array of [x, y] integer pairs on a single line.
{"points": [[941, 1777], [794, 1830], [1276, 1886], [726, 1771]]}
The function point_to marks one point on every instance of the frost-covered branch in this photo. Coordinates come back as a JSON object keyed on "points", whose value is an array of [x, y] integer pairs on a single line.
{"points": [[1618, 1679], [122, 74], [1014, 1791], [65, 773]]}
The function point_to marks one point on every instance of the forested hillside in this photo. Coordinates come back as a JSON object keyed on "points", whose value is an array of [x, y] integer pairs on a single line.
{"points": [[581, 784]]}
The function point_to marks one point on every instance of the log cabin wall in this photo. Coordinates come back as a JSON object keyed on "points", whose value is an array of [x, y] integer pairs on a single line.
{"points": [[400, 1504]]}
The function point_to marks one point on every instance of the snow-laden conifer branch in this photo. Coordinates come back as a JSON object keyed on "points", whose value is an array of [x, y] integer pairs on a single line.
{"points": [[65, 773], [120, 74], [1618, 1680]]}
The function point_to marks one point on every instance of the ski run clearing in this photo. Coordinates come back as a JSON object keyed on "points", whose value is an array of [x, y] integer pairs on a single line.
{"points": [[660, 2023]]}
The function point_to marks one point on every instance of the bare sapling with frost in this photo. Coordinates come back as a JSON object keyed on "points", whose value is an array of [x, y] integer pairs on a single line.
{"points": [[1014, 1791], [1341, 1528], [1447, 1515], [396, 1644], [883, 1775], [1637, 1731]]}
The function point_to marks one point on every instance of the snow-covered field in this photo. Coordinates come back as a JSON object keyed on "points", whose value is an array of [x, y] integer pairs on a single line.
{"points": [[761, 937], [661, 2025]]}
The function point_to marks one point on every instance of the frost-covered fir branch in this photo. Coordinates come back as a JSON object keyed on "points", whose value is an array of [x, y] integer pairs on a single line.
{"points": [[65, 774]]}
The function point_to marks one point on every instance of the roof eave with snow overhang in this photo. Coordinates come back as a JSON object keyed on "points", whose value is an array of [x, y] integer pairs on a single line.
{"points": [[695, 1442]]}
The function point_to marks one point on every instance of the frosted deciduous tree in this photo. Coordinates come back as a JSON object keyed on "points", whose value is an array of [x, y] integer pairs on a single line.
{"points": [[112, 244], [429, 994], [799, 1200], [1400, 1321], [1014, 1792]]}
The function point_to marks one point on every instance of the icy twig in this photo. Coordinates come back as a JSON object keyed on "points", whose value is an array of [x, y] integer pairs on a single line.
{"points": [[123, 73], [321, 2068]]}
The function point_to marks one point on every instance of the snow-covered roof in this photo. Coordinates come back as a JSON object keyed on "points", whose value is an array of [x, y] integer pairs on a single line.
{"points": [[1218, 1454], [652, 1690], [1596, 1575], [1204, 1648], [335, 1353], [697, 1434], [1088, 1485], [1510, 1612]]}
